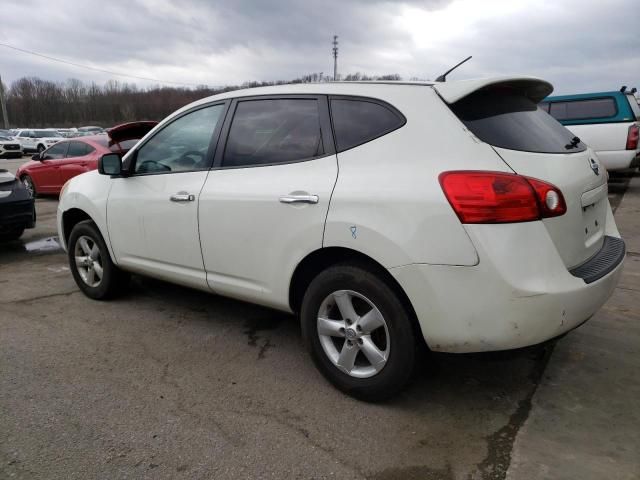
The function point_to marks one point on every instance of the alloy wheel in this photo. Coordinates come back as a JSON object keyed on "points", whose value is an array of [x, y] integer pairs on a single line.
{"points": [[88, 261], [353, 333]]}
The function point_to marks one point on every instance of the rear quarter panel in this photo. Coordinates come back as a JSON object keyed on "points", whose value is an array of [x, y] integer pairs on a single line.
{"points": [[388, 203]]}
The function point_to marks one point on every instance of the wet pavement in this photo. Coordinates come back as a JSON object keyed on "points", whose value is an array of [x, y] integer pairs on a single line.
{"points": [[167, 382]]}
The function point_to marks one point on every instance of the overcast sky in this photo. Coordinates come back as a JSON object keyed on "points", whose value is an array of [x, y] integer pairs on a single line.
{"points": [[578, 45]]}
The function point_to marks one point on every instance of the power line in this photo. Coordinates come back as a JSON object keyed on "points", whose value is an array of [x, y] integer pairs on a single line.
{"points": [[95, 69]]}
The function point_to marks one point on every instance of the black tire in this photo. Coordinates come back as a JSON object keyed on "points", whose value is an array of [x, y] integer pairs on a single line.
{"points": [[11, 233], [40, 149], [113, 280], [27, 181], [401, 358]]}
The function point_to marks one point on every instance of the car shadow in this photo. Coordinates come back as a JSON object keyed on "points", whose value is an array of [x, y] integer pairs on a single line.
{"points": [[493, 377]]}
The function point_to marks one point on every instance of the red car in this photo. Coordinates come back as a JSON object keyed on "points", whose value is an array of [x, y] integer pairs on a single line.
{"points": [[48, 171]]}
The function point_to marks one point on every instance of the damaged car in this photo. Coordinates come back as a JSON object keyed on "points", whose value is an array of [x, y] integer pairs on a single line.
{"points": [[48, 171]]}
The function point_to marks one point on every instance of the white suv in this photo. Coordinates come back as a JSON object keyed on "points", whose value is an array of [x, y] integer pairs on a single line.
{"points": [[37, 140], [382, 213]]}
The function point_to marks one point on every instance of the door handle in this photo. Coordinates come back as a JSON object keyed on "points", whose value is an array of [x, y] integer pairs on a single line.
{"points": [[299, 199], [182, 197]]}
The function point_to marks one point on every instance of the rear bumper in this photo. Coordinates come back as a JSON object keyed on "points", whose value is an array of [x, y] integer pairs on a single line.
{"points": [[616, 160], [520, 294], [17, 213]]}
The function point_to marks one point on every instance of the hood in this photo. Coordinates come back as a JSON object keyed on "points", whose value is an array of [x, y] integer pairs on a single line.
{"points": [[531, 87], [130, 131]]}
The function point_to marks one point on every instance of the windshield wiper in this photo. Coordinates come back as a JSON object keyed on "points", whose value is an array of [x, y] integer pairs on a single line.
{"points": [[573, 144]]}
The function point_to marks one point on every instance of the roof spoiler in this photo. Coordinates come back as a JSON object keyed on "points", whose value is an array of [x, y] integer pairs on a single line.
{"points": [[533, 88]]}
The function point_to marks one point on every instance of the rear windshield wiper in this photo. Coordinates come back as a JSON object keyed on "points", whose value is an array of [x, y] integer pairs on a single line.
{"points": [[573, 144]]}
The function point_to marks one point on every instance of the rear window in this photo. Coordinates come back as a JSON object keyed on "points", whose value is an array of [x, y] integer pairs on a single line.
{"points": [[512, 121], [584, 109], [358, 121]]}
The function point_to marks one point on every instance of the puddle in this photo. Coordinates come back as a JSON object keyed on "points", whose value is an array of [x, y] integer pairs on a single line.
{"points": [[58, 268], [49, 244]]}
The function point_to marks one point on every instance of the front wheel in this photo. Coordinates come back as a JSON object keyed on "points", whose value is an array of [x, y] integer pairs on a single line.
{"points": [[40, 148], [359, 333], [91, 265]]}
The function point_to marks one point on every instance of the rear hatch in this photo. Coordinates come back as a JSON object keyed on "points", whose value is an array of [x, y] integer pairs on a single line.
{"points": [[505, 115], [129, 131]]}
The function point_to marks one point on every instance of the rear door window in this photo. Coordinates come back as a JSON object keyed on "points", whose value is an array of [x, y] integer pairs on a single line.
{"points": [[513, 121], [357, 121], [267, 132], [77, 149]]}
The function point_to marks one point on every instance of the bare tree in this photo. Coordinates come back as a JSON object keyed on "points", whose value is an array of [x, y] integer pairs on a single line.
{"points": [[33, 102]]}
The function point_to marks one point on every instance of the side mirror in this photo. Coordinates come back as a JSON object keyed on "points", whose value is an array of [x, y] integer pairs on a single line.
{"points": [[110, 164], [36, 156]]}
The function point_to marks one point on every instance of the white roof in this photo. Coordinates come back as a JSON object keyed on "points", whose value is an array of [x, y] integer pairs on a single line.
{"points": [[450, 91]]}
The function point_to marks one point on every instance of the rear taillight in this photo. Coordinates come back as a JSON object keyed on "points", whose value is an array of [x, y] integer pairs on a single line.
{"points": [[632, 137], [495, 197]]}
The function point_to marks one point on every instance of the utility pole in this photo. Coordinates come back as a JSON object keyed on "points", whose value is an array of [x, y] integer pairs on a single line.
{"points": [[3, 105], [335, 58]]}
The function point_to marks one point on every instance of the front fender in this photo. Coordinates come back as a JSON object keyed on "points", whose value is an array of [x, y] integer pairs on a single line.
{"points": [[88, 193]]}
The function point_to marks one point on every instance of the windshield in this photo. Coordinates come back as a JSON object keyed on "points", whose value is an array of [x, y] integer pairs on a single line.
{"points": [[46, 133], [507, 120], [4, 139]]}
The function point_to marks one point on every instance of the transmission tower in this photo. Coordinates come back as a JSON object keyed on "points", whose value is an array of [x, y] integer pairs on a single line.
{"points": [[335, 58]]}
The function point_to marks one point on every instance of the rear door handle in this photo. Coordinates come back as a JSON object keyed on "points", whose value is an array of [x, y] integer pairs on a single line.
{"points": [[182, 197], [299, 199]]}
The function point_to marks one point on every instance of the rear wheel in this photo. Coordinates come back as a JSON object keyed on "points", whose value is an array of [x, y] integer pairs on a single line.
{"points": [[94, 272], [358, 332], [40, 148], [27, 181]]}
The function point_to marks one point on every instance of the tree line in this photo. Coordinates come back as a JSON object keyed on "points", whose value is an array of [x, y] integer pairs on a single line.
{"points": [[36, 103]]}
